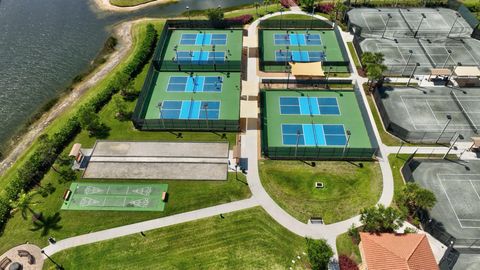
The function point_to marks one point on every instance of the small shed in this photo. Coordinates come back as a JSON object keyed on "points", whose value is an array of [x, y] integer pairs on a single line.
{"points": [[76, 152], [467, 76]]}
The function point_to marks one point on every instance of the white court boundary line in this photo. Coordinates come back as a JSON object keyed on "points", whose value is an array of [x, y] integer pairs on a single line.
{"points": [[450, 202], [437, 98]]}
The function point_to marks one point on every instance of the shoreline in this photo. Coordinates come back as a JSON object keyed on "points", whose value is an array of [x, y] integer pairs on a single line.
{"points": [[124, 36], [105, 5]]}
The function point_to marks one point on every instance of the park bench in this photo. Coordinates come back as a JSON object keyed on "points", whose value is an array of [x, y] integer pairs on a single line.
{"points": [[24, 253], [164, 196], [4, 263]]}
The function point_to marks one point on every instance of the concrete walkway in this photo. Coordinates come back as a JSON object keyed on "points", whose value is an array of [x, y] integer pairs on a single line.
{"points": [[250, 150], [148, 225]]}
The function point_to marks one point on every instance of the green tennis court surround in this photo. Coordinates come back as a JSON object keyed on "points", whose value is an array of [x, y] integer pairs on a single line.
{"points": [[116, 197], [200, 49], [308, 124], [192, 100], [278, 47]]}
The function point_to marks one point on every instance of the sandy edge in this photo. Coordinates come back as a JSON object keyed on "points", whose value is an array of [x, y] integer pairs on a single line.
{"points": [[105, 5], [123, 33]]}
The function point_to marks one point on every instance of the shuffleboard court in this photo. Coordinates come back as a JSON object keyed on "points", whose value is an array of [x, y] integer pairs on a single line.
{"points": [[309, 106], [195, 84], [313, 134], [116, 197], [190, 109]]}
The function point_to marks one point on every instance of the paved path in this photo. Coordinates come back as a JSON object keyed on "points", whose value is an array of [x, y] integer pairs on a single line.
{"points": [[148, 225], [250, 149]]}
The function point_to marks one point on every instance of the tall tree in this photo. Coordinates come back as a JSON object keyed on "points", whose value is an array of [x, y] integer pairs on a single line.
{"points": [[374, 67], [24, 204], [89, 119], [379, 219], [319, 253], [414, 198]]}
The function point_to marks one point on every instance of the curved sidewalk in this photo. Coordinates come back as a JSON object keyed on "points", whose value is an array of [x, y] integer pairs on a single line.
{"points": [[260, 196]]}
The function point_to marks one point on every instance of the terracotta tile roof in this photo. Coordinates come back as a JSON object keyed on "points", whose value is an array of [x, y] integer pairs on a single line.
{"points": [[388, 251]]}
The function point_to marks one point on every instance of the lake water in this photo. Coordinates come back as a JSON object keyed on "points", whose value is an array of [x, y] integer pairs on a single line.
{"points": [[45, 43]]}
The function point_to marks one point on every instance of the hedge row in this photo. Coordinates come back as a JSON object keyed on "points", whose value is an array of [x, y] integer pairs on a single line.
{"points": [[37, 165]]}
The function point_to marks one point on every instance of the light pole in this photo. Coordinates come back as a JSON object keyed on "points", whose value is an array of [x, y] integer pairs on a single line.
{"points": [[311, 18], [159, 105], [452, 145], [386, 24], [454, 22], [289, 71], [286, 58], [408, 61], [296, 144], [411, 75], [348, 140], [419, 25], [188, 15], [214, 56], [281, 17], [448, 56], [58, 266], [205, 107], [449, 118]]}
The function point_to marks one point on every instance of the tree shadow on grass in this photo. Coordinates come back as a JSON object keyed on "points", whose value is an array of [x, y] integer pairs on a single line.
{"points": [[46, 224]]}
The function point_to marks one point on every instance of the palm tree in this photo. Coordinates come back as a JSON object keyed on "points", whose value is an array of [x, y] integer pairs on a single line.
{"points": [[24, 204], [45, 224], [373, 65], [414, 198], [256, 7]]}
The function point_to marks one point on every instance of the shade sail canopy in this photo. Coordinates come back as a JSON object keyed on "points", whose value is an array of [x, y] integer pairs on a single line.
{"points": [[440, 71], [307, 69]]}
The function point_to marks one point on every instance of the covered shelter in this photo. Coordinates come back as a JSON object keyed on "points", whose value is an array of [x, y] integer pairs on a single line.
{"points": [[248, 114], [467, 76], [76, 152], [312, 69], [475, 144], [439, 72]]}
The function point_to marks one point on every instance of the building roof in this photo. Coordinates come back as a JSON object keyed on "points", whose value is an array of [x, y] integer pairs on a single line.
{"points": [[467, 71], [75, 150], [440, 71], [397, 251]]}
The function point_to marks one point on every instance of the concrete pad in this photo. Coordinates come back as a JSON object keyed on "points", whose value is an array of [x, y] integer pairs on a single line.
{"points": [[158, 160], [165, 171], [162, 149]]}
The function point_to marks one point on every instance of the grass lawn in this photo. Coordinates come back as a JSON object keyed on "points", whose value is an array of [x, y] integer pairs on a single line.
{"points": [[131, 3], [256, 13], [185, 195], [353, 52], [345, 246], [348, 188], [248, 239], [386, 137], [396, 164]]}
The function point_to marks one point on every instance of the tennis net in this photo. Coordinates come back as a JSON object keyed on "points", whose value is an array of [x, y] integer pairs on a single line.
{"points": [[465, 113]]}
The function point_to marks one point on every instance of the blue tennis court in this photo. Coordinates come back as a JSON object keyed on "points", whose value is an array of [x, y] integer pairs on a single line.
{"points": [[297, 39], [309, 106], [313, 134], [202, 39], [299, 56], [190, 109], [200, 57], [195, 84]]}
